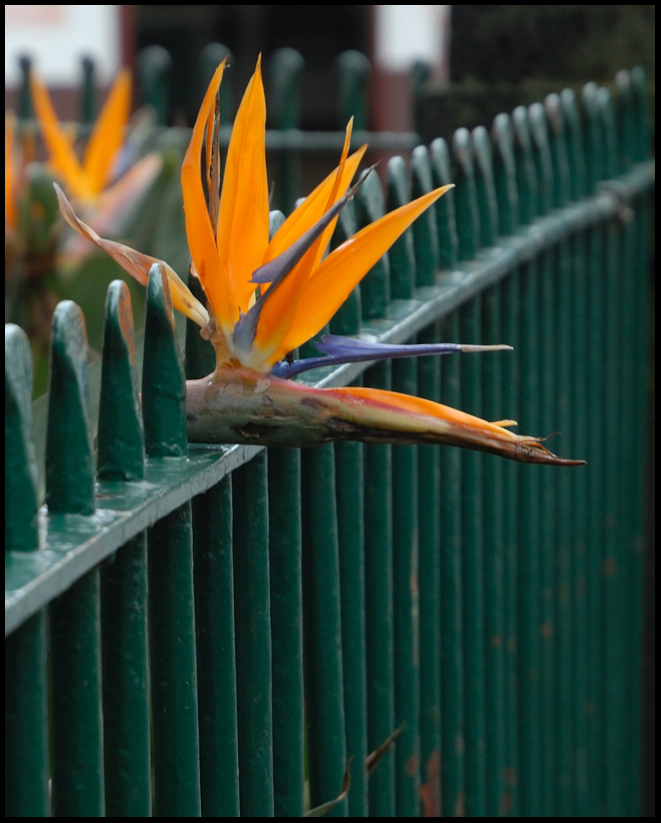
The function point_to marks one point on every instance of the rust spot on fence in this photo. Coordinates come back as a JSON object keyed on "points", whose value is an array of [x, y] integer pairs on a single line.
{"points": [[510, 776], [460, 806], [496, 641], [412, 765], [430, 790], [610, 566], [546, 630], [505, 803]]}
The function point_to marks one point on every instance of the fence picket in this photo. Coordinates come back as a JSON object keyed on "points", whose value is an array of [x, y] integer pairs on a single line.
{"points": [[490, 611]]}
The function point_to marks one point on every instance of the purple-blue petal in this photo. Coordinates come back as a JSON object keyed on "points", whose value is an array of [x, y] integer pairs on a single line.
{"points": [[339, 350]]}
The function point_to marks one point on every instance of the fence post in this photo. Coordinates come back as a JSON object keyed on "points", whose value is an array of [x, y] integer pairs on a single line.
{"points": [[446, 225], [26, 752], [405, 532], [285, 69], [496, 800], [124, 578], [579, 491], [349, 481], [75, 706], [353, 70], [252, 613], [566, 553], [211, 56], [171, 602], [154, 73], [323, 628], [375, 286], [469, 221], [528, 522], [284, 475], [429, 493], [508, 220]]}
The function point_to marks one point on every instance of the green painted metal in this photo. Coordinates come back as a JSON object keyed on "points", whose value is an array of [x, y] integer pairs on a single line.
{"points": [[74, 626], [487, 204], [88, 107], [468, 218], [154, 70], [375, 286], [617, 529], [641, 124], [326, 748], [530, 763], [216, 668], [403, 256], [121, 450], [597, 467], [69, 458], [26, 734], [446, 225], [285, 67], [546, 409], [20, 464], [530, 614], [565, 550], [453, 741], [353, 70], [495, 802], [428, 515], [424, 229], [508, 218], [253, 637], [75, 701], [126, 727], [200, 355], [164, 390], [349, 493], [472, 536], [209, 59], [429, 586], [171, 606], [406, 607], [470, 321], [379, 608], [349, 479], [284, 471], [401, 253]]}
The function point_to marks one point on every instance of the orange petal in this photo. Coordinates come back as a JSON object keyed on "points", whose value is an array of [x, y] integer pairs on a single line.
{"points": [[243, 218], [62, 157], [10, 168], [279, 311], [199, 230], [312, 208], [208, 146], [108, 133], [137, 264], [332, 282]]}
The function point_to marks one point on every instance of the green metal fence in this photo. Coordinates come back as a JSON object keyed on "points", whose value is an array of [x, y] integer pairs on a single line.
{"points": [[205, 630]]}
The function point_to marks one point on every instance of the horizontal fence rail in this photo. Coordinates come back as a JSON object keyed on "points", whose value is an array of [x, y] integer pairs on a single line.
{"points": [[219, 630]]}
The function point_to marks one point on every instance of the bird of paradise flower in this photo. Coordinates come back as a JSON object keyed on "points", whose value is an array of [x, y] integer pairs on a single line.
{"points": [[267, 297], [93, 183]]}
